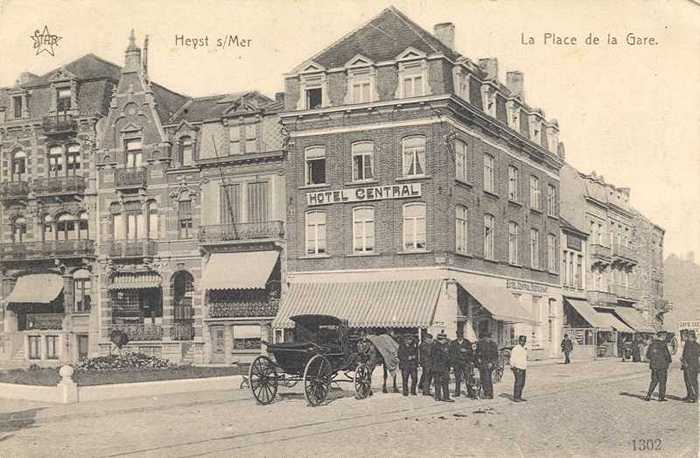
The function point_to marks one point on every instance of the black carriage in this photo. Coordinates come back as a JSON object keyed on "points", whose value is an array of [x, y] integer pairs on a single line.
{"points": [[321, 352]]}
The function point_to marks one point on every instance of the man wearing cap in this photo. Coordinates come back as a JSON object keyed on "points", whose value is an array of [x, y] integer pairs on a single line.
{"points": [[408, 363], [487, 356], [518, 363], [426, 363], [690, 366], [441, 368], [567, 346], [659, 359], [460, 358]]}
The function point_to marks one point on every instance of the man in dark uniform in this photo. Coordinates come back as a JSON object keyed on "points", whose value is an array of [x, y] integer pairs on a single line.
{"points": [[659, 359], [426, 363], [461, 357], [487, 355], [567, 346], [408, 363], [690, 366], [441, 368]]}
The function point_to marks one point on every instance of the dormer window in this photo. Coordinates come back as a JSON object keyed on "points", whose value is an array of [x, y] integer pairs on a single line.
{"points": [[514, 115], [63, 99], [535, 129], [552, 138], [314, 98], [186, 151], [413, 80], [134, 153], [488, 99], [461, 83], [313, 90]]}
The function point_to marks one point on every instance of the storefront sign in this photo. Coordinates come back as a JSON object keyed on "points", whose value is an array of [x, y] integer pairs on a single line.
{"points": [[397, 191], [526, 286], [574, 243]]}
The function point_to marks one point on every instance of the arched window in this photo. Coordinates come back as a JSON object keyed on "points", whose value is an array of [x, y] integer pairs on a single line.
{"points": [[48, 228], [82, 291], [413, 155], [55, 161], [73, 160], [19, 166], [19, 229], [414, 227], [65, 227], [315, 233], [363, 229], [186, 152], [152, 210], [83, 233]]}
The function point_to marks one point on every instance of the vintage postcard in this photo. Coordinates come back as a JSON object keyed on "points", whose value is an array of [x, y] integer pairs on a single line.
{"points": [[349, 228]]}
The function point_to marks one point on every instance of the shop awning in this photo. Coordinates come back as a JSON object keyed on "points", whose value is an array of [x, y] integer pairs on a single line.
{"points": [[36, 289], [396, 303], [634, 319], [135, 280], [595, 318], [501, 303], [246, 270]]}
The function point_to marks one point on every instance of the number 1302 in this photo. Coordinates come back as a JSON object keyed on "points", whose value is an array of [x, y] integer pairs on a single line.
{"points": [[643, 445]]}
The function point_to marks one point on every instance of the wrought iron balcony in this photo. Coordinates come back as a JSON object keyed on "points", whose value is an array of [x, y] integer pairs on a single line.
{"points": [[130, 178], [61, 123], [24, 251], [624, 253], [182, 331], [12, 190], [625, 292], [138, 332], [241, 232], [43, 321], [600, 251], [243, 309], [132, 248], [54, 186]]}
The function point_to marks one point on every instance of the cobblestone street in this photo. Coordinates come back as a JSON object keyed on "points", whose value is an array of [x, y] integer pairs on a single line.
{"points": [[571, 410]]}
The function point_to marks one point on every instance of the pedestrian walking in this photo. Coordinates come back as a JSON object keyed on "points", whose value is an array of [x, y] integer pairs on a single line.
{"points": [[408, 363], [441, 368], [518, 364], [487, 356], [426, 363], [659, 359], [636, 350], [567, 346], [690, 366], [461, 357]]}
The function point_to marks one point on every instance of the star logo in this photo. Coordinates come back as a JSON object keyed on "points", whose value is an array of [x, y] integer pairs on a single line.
{"points": [[45, 41]]}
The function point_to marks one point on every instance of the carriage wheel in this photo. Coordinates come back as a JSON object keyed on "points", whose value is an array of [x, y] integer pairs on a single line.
{"points": [[362, 379], [262, 377], [317, 380]]}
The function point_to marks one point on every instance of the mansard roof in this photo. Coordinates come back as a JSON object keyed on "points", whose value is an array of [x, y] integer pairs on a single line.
{"points": [[216, 106], [382, 39], [87, 67]]}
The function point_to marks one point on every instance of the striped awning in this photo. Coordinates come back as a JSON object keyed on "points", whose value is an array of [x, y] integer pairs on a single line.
{"points": [[634, 319], [135, 280], [36, 289], [396, 303]]}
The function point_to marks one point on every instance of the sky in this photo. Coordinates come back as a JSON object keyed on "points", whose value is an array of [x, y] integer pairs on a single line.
{"points": [[629, 112]]}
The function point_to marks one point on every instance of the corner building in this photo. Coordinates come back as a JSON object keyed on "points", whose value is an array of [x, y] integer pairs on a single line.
{"points": [[422, 191]]}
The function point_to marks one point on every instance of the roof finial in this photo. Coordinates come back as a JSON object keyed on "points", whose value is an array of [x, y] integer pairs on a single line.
{"points": [[132, 41]]}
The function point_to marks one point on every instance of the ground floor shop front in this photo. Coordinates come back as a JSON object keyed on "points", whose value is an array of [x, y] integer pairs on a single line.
{"points": [[429, 300]]}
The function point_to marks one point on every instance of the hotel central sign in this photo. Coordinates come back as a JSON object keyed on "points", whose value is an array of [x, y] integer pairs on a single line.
{"points": [[397, 191]]}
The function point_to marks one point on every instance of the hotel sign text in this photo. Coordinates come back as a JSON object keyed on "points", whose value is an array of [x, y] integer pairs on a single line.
{"points": [[397, 191], [526, 286]]}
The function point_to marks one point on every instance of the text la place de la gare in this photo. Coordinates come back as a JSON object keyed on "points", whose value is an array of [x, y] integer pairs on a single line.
{"points": [[591, 39]]}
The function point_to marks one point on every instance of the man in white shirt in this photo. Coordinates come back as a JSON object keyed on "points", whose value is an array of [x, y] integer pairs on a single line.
{"points": [[518, 363]]}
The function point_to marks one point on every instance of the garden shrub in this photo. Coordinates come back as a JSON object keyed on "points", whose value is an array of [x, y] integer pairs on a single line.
{"points": [[123, 361]]}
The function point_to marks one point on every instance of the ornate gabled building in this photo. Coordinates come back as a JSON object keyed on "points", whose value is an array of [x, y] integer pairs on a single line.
{"points": [[423, 192], [49, 128]]}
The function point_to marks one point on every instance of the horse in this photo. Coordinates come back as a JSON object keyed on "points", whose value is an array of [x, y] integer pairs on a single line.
{"points": [[377, 349]]}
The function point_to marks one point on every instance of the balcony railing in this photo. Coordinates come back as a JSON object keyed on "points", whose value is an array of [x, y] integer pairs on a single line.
{"points": [[182, 331], [605, 298], [21, 251], [49, 186], [624, 252], [241, 231], [140, 331], [44, 321], [625, 292], [135, 177], [242, 309], [132, 248], [14, 190], [599, 251], [61, 123]]}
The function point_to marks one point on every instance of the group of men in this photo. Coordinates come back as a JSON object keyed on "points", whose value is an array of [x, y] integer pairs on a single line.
{"points": [[660, 359], [438, 357]]}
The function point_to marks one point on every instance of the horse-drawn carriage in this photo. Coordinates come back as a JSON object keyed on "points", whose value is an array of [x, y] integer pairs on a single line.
{"points": [[321, 352]]}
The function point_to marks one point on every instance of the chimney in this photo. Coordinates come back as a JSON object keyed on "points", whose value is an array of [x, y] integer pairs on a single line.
{"points": [[145, 58], [445, 32], [490, 66], [132, 56], [279, 97], [515, 83]]}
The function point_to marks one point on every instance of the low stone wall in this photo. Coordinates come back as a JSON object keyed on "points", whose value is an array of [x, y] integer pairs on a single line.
{"points": [[68, 392]]}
